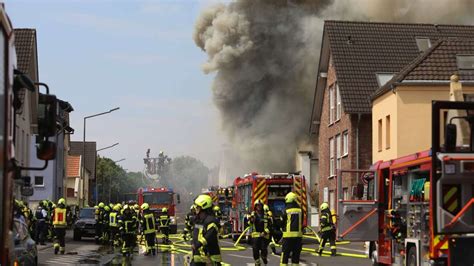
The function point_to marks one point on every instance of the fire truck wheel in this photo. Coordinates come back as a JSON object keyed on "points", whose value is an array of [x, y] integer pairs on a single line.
{"points": [[411, 258]]}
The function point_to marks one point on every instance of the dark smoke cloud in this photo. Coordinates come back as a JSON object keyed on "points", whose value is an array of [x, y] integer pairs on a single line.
{"points": [[265, 55]]}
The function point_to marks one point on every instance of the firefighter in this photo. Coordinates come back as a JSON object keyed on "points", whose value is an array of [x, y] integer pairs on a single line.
{"points": [[114, 217], [50, 208], [189, 222], [60, 224], [105, 225], [327, 230], [41, 228], [128, 229], [260, 233], [99, 223], [292, 232], [165, 220], [273, 232], [205, 243], [147, 222]]}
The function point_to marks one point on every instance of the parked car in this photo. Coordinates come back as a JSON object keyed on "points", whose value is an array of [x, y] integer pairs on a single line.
{"points": [[85, 224], [25, 251]]}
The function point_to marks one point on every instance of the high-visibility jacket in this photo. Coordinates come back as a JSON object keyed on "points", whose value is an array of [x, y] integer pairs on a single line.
{"points": [[59, 217], [128, 224], [326, 221], [164, 220], [205, 240], [260, 224], [113, 219], [148, 223], [292, 221]]}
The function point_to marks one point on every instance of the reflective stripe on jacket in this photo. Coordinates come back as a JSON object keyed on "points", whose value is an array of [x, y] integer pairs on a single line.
{"points": [[293, 223], [59, 218]]}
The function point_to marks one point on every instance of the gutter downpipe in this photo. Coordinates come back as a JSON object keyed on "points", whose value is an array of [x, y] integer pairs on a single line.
{"points": [[359, 116]]}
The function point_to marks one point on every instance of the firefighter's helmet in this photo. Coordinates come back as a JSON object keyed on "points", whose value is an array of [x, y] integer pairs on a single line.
{"points": [[116, 207], [324, 206], [164, 210], [258, 202], [136, 207], [96, 207], [290, 197], [62, 201], [145, 206], [203, 201], [107, 208], [216, 208], [101, 205], [119, 205], [111, 205]]}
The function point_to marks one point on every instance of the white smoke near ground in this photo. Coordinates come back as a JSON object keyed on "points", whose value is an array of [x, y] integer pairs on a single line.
{"points": [[265, 55]]}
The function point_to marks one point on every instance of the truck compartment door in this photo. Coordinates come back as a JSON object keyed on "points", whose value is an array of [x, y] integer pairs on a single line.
{"points": [[357, 206]]}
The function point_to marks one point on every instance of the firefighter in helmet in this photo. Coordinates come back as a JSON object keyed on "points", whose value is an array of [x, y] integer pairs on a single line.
{"points": [[105, 225], [292, 231], [273, 233], [148, 228], [205, 243], [165, 221], [60, 224], [128, 229], [99, 223], [114, 218], [327, 230], [260, 224], [189, 222]]}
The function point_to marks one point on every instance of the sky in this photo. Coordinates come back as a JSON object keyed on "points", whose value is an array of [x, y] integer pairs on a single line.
{"points": [[136, 55]]}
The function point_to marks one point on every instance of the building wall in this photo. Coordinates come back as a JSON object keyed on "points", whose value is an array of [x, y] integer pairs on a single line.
{"points": [[349, 123], [411, 106], [46, 191]]}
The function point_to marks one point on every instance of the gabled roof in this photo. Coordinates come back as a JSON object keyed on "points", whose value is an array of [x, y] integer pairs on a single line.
{"points": [[25, 46], [436, 64], [361, 49], [73, 166], [90, 156]]}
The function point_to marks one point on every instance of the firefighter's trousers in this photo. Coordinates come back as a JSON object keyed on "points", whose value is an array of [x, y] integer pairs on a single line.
{"points": [[98, 231], [114, 235], [291, 246], [150, 243], [41, 230], [325, 237], [129, 240], [260, 248], [60, 242]]}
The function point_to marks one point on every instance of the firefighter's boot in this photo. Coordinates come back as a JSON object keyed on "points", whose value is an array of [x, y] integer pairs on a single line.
{"points": [[62, 250], [258, 262], [333, 251], [56, 248], [320, 252]]}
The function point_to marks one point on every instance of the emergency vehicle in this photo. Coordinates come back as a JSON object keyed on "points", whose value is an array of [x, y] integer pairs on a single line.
{"points": [[222, 197], [159, 198], [417, 209], [12, 81], [271, 189]]}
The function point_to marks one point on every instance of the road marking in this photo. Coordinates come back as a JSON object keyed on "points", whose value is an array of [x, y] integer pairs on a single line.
{"points": [[351, 249]]}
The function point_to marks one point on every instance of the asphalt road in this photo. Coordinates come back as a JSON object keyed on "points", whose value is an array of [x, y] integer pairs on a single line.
{"points": [[86, 252]]}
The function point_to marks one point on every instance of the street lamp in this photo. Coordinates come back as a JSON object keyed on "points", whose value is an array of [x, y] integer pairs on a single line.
{"points": [[96, 183], [84, 149], [123, 159], [108, 147]]}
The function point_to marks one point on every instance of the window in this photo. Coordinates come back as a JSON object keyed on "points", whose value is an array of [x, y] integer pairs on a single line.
{"points": [[380, 135], [338, 151], [332, 200], [70, 192], [331, 157], [423, 43], [39, 181], [387, 132], [331, 105], [345, 143], [465, 62], [345, 193], [338, 103], [383, 78]]}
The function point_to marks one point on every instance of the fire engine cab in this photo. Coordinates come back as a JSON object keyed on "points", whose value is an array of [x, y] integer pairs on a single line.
{"points": [[271, 189], [417, 209]]}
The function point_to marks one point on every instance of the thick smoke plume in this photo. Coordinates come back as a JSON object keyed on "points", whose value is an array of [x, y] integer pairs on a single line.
{"points": [[265, 55]]}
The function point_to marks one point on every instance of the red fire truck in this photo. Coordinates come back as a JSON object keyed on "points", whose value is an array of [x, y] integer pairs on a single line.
{"points": [[271, 189], [159, 198], [12, 82], [417, 209]]}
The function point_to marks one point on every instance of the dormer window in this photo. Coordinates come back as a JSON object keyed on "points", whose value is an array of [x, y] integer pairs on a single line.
{"points": [[383, 78], [423, 43], [465, 62]]}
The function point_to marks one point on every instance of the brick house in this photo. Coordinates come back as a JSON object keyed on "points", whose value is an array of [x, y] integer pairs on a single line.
{"points": [[356, 59]]}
